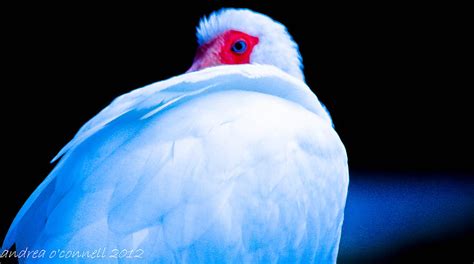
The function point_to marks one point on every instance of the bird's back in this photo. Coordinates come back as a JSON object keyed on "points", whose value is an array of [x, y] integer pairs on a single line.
{"points": [[204, 170]]}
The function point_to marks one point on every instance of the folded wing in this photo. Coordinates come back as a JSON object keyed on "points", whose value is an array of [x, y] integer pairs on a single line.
{"points": [[231, 162]]}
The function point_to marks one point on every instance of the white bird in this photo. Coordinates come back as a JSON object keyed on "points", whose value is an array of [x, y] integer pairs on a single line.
{"points": [[226, 163]]}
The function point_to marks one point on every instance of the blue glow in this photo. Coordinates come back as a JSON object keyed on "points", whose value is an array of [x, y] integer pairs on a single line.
{"points": [[386, 211]]}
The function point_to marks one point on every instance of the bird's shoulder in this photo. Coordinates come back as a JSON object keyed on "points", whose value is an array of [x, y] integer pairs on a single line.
{"points": [[155, 145]]}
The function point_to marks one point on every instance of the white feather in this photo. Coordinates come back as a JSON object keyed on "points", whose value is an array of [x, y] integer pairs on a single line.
{"points": [[239, 163]]}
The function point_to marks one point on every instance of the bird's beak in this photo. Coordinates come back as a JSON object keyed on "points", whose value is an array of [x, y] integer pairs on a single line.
{"points": [[207, 55]]}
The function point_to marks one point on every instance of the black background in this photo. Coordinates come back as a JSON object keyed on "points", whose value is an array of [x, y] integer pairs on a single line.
{"points": [[391, 74]]}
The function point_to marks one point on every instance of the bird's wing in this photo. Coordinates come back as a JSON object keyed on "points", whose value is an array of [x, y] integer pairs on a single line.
{"points": [[163, 164], [161, 94]]}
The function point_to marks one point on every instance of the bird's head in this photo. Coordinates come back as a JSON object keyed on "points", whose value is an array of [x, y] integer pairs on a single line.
{"points": [[241, 36]]}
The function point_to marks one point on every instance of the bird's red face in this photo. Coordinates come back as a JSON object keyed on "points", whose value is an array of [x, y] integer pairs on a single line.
{"points": [[231, 47]]}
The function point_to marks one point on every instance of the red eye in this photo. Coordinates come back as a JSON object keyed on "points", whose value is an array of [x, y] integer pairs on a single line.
{"points": [[239, 47], [231, 47]]}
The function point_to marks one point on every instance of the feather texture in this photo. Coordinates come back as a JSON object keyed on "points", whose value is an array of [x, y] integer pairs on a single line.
{"points": [[232, 163]]}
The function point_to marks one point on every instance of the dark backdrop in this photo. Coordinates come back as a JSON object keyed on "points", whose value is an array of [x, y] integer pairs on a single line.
{"points": [[387, 72]]}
